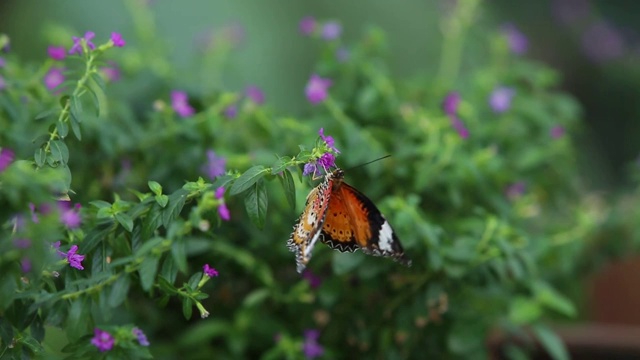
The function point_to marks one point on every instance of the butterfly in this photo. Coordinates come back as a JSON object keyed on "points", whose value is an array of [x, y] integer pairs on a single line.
{"points": [[344, 219]]}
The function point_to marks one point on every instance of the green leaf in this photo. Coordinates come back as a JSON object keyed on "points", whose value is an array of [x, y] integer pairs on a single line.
{"points": [[147, 271], [151, 222], [155, 187], [256, 297], [552, 299], [162, 200], [256, 202], [524, 311], [119, 291], [97, 78], [40, 157], [63, 129], [187, 307], [179, 254], [247, 179], [59, 151], [45, 114], [551, 342], [100, 204], [345, 262], [125, 220], [286, 180], [173, 209], [75, 127], [95, 99], [76, 109], [95, 236], [166, 286], [280, 165], [169, 270]]}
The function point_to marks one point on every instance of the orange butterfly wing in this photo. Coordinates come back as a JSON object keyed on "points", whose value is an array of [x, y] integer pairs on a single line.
{"points": [[353, 222]]}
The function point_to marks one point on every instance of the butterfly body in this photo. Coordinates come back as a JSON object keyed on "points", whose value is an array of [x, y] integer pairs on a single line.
{"points": [[344, 219]]}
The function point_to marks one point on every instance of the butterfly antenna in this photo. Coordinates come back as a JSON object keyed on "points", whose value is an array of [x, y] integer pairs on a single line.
{"points": [[369, 162]]}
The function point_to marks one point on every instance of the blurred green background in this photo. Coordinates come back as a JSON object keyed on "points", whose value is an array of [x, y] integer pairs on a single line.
{"points": [[273, 56]]}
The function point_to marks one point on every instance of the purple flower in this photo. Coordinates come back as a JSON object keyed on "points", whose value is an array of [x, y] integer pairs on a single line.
{"points": [[142, 338], [2, 62], [570, 11], [209, 271], [307, 25], [57, 52], [310, 347], [25, 264], [314, 280], [75, 260], [34, 215], [331, 30], [556, 132], [6, 157], [224, 213], [602, 42], [215, 165], [102, 340], [500, 98], [111, 72], [342, 54], [255, 94], [518, 42], [309, 168], [219, 192], [180, 104], [516, 190], [317, 89], [77, 43], [54, 78], [450, 106], [68, 216], [22, 243], [117, 39], [3, 83], [231, 111], [328, 140], [327, 160]]}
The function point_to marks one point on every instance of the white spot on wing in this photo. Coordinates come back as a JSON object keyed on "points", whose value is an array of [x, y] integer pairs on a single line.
{"points": [[307, 250], [385, 237]]}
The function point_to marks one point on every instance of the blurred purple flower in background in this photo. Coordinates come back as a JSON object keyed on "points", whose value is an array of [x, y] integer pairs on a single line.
{"points": [[3, 83], [307, 25], [255, 94], [53, 78], [102, 340], [314, 280], [518, 42], [77, 43], [556, 132], [215, 165], [70, 217], [6, 157], [515, 190], [180, 103], [139, 334], [25, 264], [601, 42], [310, 347], [111, 72], [57, 52], [450, 106], [317, 89], [331, 30], [500, 98], [2, 62], [117, 39], [343, 54], [570, 11], [231, 111]]}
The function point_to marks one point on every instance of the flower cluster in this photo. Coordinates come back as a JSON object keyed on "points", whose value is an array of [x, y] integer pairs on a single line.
{"points": [[104, 341], [310, 347], [324, 156], [73, 258]]}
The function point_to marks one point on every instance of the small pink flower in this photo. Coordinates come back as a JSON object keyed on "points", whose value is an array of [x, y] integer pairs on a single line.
{"points": [[54, 78], [6, 157], [102, 340], [224, 213], [57, 52], [117, 39], [209, 271], [77, 43], [180, 104], [557, 132], [307, 25], [317, 89]]}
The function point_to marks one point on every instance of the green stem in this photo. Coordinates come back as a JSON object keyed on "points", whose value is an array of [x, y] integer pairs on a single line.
{"points": [[453, 31]]}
